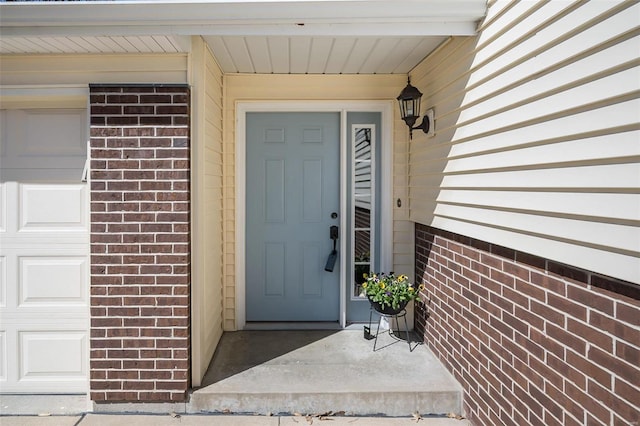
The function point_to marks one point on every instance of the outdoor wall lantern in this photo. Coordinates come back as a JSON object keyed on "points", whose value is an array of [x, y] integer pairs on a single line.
{"points": [[409, 100]]}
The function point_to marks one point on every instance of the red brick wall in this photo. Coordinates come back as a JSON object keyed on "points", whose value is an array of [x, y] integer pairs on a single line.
{"points": [[530, 340], [139, 243]]}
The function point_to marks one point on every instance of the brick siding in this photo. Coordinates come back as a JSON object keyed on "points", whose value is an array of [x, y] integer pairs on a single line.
{"points": [[530, 340], [140, 264]]}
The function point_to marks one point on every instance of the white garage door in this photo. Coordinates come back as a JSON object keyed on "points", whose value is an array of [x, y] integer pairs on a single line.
{"points": [[44, 252]]}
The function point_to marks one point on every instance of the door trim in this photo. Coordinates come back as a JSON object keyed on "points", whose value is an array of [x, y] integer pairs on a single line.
{"points": [[386, 110]]}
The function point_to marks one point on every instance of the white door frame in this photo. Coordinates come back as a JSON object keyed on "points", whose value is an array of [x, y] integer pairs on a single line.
{"points": [[386, 159]]}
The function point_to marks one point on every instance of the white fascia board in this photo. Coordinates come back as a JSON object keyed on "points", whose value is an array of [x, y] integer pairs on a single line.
{"points": [[446, 17], [412, 29], [175, 12]]}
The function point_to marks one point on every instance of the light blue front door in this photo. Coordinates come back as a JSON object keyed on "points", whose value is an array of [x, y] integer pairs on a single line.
{"points": [[293, 198]]}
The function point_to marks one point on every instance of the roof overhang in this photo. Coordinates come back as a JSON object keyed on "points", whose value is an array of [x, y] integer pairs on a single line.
{"points": [[241, 17], [258, 36]]}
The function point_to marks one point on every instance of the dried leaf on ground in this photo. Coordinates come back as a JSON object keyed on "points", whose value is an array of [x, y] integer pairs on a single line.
{"points": [[325, 416], [174, 415], [322, 417], [417, 417]]}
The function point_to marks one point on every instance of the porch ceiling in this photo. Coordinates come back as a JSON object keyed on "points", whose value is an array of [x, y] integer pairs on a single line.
{"points": [[259, 36]]}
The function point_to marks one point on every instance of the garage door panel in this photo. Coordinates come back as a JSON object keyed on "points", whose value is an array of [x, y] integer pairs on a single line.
{"points": [[44, 139], [53, 207], [54, 133], [53, 280], [41, 357], [58, 355]]}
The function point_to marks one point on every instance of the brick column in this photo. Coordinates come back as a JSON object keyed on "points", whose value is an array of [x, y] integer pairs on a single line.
{"points": [[140, 233]]}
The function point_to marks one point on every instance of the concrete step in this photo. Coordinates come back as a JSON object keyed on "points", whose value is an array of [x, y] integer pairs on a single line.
{"points": [[313, 372], [217, 420]]}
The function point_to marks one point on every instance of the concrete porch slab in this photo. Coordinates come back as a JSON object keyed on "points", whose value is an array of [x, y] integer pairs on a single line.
{"points": [[313, 371]]}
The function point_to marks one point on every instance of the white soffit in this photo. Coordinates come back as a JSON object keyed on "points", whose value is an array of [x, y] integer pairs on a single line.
{"points": [[321, 55], [93, 44], [259, 36]]}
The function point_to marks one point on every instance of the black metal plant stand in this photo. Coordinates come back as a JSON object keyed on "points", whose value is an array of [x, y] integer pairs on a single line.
{"points": [[396, 316]]}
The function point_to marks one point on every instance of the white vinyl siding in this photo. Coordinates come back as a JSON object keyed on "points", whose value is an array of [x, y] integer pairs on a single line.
{"points": [[537, 143]]}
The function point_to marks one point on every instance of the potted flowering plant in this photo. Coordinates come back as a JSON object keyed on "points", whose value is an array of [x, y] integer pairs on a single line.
{"points": [[388, 293]]}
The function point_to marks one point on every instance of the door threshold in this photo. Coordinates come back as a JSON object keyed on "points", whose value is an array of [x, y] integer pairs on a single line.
{"points": [[292, 325]]}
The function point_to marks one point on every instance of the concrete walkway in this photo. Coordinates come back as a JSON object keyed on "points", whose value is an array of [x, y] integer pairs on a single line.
{"points": [[222, 420]]}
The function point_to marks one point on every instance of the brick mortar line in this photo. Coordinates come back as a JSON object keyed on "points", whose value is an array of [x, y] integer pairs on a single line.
{"points": [[139, 102], [99, 244], [98, 213], [135, 285], [104, 142], [133, 339], [140, 169], [136, 201], [142, 305], [131, 192], [142, 114], [143, 316], [154, 327], [139, 126], [123, 306], [164, 180], [146, 223]]}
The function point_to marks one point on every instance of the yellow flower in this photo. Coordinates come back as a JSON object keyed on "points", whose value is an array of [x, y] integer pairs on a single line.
{"points": [[365, 275], [364, 285], [382, 286]]}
